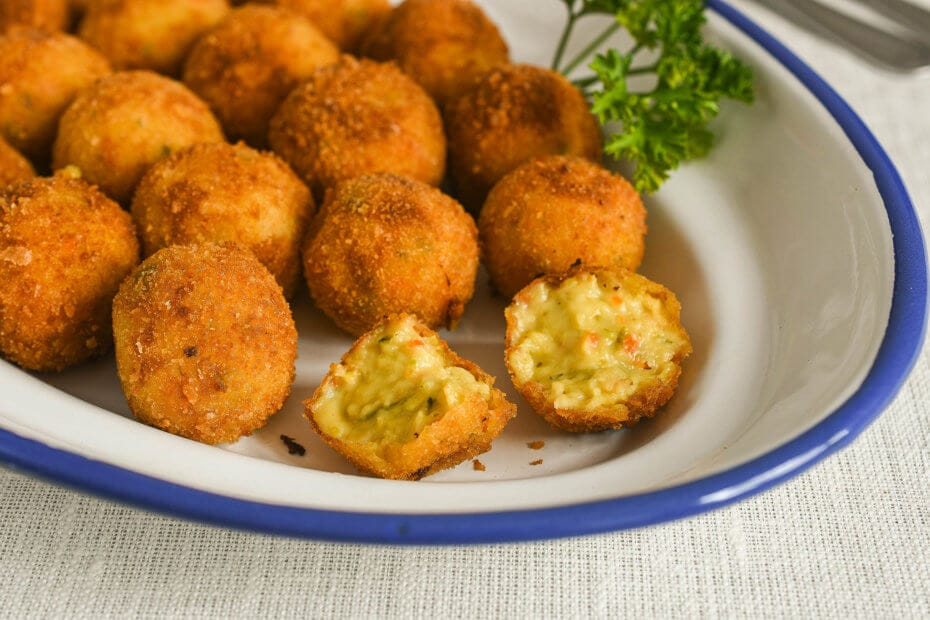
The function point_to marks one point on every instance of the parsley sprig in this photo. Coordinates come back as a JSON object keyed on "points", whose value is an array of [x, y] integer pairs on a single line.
{"points": [[666, 124]]}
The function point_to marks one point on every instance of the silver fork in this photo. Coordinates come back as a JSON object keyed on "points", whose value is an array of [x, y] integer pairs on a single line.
{"points": [[905, 49]]}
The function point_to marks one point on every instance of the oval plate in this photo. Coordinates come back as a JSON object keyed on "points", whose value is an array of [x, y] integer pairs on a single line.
{"points": [[800, 264]]}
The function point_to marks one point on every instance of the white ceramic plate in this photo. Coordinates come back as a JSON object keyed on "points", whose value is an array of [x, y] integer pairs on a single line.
{"points": [[801, 271]]}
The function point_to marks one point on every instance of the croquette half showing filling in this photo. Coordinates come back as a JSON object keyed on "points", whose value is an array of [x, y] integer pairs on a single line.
{"points": [[402, 405], [593, 350]]}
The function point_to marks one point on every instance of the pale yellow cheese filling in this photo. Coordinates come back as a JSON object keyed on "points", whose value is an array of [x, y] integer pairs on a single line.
{"points": [[388, 391], [592, 343]]}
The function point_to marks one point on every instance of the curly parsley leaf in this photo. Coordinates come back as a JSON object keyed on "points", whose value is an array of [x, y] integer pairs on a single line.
{"points": [[666, 124]]}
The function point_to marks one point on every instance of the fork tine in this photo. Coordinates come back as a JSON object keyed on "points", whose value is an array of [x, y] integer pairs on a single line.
{"points": [[906, 14]]}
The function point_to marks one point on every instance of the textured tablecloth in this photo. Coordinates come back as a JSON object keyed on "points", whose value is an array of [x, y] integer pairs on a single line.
{"points": [[850, 538]]}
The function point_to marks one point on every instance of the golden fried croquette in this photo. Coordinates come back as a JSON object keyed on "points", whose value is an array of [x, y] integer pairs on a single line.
{"points": [[47, 15], [149, 34], [221, 192], [13, 166], [343, 21], [116, 129], [402, 405], [383, 245], [205, 342], [355, 118], [553, 212], [594, 349], [64, 249], [509, 115], [442, 44], [247, 65], [40, 74]]}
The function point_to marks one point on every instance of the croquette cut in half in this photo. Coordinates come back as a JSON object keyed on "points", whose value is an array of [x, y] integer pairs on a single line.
{"points": [[123, 123], [510, 115], [205, 342], [247, 65], [384, 245], [554, 212], [64, 249], [215, 192], [402, 405], [595, 349], [41, 73], [442, 44], [148, 34], [359, 117]]}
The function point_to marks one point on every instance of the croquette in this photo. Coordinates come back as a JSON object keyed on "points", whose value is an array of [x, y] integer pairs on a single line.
{"points": [[47, 15], [222, 192], [355, 118], [13, 166], [510, 115], [64, 249], [149, 34], [442, 44], [205, 342], [345, 22], [40, 74], [116, 129], [595, 349], [402, 405], [553, 212], [247, 65], [384, 245]]}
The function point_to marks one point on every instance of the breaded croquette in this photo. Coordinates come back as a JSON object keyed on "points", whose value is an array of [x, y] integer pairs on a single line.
{"points": [[355, 118], [47, 15], [553, 212], [384, 245], [13, 166], [402, 405], [116, 129], [205, 342], [221, 192], [442, 44], [40, 74], [595, 349], [343, 21], [149, 34], [510, 115], [247, 65], [64, 249]]}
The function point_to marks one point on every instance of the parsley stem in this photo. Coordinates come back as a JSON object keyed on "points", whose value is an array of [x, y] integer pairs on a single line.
{"points": [[563, 41], [583, 83], [591, 48]]}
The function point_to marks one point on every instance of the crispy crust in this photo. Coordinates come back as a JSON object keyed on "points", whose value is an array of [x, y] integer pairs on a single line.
{"points": [[463, 432], [117, 128], [247, 65], [48, 15], [205, 342], [510, 115], [64, 248], [216, 192], [383, 245], [13, 166], [643, 404], [149, 34], [554, 211], [345, 22], [355, 118], [442, 44], [41, 73]]}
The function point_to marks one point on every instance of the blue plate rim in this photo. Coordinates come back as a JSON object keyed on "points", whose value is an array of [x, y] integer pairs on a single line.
{"points": [[896, 357]]}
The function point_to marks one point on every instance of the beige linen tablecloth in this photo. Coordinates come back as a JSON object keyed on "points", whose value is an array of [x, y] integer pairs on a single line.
{"points": [[850, 538]]}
